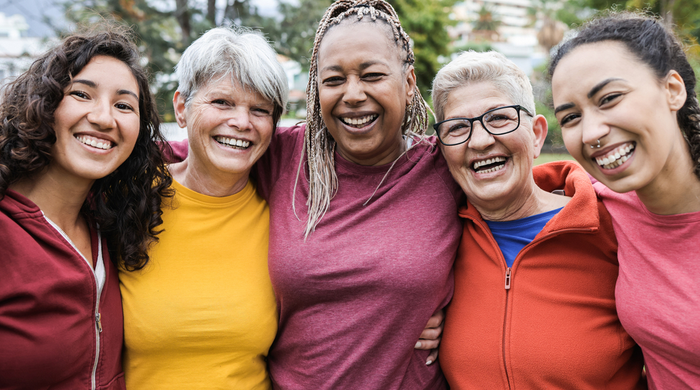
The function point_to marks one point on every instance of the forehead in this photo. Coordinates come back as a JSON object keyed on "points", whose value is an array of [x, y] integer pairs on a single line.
{"points": [[473, 99], [374, 38], [580, 69], [227, 86], [109, 72]]}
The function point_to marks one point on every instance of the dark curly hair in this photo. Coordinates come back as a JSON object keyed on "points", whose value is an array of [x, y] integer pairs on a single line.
{"points": [[126, 204], [656, 46]]}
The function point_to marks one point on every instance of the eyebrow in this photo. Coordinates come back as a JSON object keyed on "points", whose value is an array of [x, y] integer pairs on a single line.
{"points": [[596, 88], [563, 107], [92, 84], [600, 86], [363, 66]]}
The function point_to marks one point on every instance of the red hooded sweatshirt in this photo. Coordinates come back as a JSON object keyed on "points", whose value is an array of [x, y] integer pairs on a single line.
{"points": [[549, 321], [50, 336]]}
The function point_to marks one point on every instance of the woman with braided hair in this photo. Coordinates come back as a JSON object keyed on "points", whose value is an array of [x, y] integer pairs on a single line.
{"points": [[363, 215], [633, 122]]}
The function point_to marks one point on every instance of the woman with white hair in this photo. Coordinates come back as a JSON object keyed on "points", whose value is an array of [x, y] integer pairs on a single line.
{"points": [[534, 301], [202, 314]]}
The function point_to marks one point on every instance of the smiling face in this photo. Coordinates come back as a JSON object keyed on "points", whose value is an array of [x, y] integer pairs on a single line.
{"points": [[96, 122], [229, 128], [363, 90], [622, 103], [495, 172]]}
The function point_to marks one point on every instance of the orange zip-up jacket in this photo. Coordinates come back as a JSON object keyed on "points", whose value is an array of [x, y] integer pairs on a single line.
{"points": [[549, 321]]}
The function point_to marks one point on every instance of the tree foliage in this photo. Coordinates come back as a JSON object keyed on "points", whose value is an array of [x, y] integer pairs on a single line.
{"points": [[165, 29], [425, 21]]}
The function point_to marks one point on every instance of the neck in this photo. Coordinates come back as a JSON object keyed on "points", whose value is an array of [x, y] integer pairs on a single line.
{"points": [[529, 201], [60, 200], [384, 158], [207, 181], [675, 190]]}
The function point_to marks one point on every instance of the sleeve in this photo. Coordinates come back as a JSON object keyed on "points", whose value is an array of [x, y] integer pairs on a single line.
{"points": [[282, 155]]}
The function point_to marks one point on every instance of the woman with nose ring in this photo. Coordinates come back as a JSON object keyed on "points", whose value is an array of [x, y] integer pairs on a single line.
{"points": [[633, 122], [534, 303]]}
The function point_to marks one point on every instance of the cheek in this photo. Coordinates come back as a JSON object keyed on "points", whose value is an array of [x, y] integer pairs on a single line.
{"points": [[572, 141]]}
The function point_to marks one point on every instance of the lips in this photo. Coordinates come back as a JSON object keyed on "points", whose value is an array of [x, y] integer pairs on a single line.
{"points": [[359, 122], [232, 142], [616, 157], [95, 142], [489, 165]]}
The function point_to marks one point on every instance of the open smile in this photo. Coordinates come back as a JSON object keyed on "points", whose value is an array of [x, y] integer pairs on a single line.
{"points": [[360, 122], [94, 142], [489, 165], [232, 142], [616, 157]]}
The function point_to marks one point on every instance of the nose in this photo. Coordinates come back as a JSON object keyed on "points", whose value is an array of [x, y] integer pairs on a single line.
{"points": [[593, 128], [480, 138], [101, 115], [239, 119], [354, 91]]}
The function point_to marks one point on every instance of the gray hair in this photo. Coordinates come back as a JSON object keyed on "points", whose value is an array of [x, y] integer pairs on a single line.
{"points": [[474, 67], [242, 54]]}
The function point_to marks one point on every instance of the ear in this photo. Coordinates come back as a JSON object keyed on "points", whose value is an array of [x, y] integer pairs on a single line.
{"points": [[539, 128], [675, 89], [410, 84], [179, 107]]}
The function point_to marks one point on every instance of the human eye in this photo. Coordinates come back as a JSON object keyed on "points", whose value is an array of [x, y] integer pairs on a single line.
{"points": [[609, 98], [373, 76], [124, 106], [569, 119], [259, 111], [455, 128], [80, 94], [333, 80]]}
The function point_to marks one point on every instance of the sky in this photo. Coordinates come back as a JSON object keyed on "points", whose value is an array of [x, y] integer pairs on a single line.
{"points": [[34, 11]]}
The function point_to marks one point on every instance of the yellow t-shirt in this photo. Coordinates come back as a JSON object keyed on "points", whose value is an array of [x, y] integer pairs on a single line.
{"points": [[202, 313]]}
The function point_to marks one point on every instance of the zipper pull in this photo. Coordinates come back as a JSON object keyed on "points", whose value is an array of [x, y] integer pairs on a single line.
{"points": [[508, 279], [99, 322]]}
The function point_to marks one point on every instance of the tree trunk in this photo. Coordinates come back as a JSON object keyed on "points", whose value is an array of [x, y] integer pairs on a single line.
{"points": [[211, 12], [182, 15]]}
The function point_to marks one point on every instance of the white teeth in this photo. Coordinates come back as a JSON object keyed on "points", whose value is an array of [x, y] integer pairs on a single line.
{"points": [[359, 122], [232, 142], [615, 157], [488, 161], [95, 143]]}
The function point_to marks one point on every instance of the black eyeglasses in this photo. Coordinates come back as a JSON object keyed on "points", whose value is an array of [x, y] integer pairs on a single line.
{"points": [[498, 121]]}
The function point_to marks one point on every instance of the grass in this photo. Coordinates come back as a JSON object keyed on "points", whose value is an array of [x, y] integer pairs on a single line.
{"points": [[548, 157]]}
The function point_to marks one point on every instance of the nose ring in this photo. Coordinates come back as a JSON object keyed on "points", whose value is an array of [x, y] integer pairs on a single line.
{"points": [[596, 146]]}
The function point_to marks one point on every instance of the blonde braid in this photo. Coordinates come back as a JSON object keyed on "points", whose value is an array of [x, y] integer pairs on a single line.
{"points": [[319, 146]]}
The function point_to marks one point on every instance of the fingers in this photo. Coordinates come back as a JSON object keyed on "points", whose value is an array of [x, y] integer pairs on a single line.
{"points": [[431, 334], [427, 344], [436, 320], [432, 357]]}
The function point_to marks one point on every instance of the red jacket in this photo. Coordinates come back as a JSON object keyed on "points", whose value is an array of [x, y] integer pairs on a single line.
{"points": [[549, 322], [48, 299]]}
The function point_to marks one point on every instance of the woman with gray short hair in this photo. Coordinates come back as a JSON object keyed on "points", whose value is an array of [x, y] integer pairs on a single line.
{"points": [[202, 314], [534, 301]]}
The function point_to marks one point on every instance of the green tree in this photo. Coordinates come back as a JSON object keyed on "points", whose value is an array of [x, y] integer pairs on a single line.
{"points": [[425, 21], [164, 30], [294, 35]]}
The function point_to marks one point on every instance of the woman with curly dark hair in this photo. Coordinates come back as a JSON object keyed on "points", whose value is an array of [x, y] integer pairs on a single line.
{"points": [[632, 121], [80, 172]]}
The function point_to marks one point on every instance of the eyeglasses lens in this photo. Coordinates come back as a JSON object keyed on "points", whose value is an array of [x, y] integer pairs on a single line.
{"points": [[499, 121]]}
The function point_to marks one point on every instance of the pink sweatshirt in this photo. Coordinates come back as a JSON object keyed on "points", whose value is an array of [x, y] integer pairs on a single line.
{"points": [[657, 293]]}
